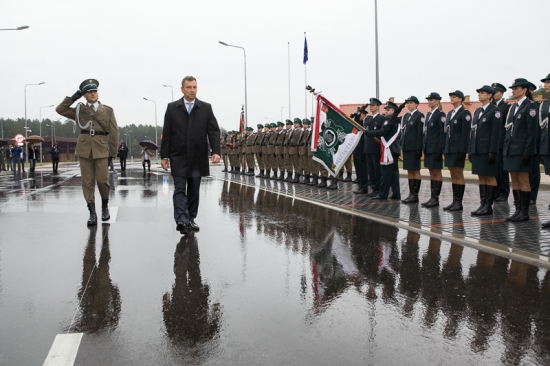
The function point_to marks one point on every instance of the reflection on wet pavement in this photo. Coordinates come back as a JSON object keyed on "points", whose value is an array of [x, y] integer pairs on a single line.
{"points": [[268, 280]]}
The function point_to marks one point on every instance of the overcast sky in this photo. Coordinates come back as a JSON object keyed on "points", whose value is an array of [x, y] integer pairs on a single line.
{"points": [[134, 47]]}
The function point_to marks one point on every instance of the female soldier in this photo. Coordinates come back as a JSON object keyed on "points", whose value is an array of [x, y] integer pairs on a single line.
{"points": [[484, 141], [412, 137], [519, 146], [544, 144], [434, 142], [457, 137]]}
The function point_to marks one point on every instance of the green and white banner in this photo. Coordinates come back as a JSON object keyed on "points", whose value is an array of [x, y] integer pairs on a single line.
{"points": [[335, 136]]}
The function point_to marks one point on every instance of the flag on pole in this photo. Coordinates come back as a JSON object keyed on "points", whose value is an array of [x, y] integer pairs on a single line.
{"points": [[305, 50], [335, 136], [241, 121]]}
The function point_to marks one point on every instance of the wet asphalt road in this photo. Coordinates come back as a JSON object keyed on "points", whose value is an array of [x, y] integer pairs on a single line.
{"points": [[268, 280]]}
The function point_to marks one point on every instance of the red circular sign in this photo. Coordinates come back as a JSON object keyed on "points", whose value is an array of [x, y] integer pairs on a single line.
{"points": [[19, 138]]}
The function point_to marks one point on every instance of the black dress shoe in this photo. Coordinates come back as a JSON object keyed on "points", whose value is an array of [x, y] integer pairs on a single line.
{"points": [[359, 191], [193, 225], [501, 199], [182, 228], [379, 198], [395, 197]]}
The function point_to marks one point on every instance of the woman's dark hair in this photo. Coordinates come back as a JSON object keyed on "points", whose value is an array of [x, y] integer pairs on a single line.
{"points": [[529, 94]]}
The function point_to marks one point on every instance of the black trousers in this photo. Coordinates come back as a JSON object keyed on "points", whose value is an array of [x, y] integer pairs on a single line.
{"points": [[534, 177], [389, 177], [361, 170], [55, 164], [503, 178], [122, 163], [373, 162], [148, 164], [186, 198]]}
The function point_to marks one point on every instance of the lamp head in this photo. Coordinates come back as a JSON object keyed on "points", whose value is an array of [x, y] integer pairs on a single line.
{"points": [[23, 27], [220, 42]]}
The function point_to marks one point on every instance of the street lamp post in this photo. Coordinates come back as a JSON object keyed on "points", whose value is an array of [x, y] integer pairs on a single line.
{"points": [[282, 114], [156, 133], [245, 97], [170, 86], [40, 124], [376, 47], [53, 132], [18, 28], [269, 119], [26, 144]]}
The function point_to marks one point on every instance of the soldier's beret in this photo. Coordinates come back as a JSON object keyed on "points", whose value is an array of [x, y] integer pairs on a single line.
{"points": [[88, 84], [306, 121], [374, 101], [281, 124], [390, 105], [521, 82], [499, 87], [224, 135], [260, 126], [458, 93], [546, 78], [434, 95], [288, 122], [412, 99], [250, 129], [486, 89]]}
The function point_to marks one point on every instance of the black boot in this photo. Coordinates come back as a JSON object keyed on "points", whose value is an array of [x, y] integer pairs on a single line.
{"points": [[261, 174], [92, 220], [267, 173], [274, 176], [459, 195], [333, 184], [231, 170], [482, 196], [105, 210], [305, 180], [517, 203], [250, 172], [223, 171], [322, 183], [413, 195], [296, 178], [281, 175], [455, 189], [523, 215], [314, 181], [489, 198], [242, 170], [348, 177], [435, 188]]}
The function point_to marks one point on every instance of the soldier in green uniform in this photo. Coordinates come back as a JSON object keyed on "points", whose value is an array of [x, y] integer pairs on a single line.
{"points": [[97, 141], [271, 150], [312, 165], [258, 150], [249, 151], [279, 150], [223, 149], [267, 161], [286, 143], [242, 152], [293, 150], [303, 149], [234, 153]]}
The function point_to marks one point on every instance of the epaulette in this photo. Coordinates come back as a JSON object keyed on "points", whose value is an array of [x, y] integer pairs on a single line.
{"points": [[105, 105]]}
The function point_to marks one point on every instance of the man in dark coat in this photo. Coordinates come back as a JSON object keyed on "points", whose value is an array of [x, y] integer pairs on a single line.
{"points": [[189, 124]]}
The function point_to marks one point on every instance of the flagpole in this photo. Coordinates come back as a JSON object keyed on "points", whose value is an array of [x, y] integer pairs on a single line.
{"points": [[376, 47], [289, 112], [305, 77]]}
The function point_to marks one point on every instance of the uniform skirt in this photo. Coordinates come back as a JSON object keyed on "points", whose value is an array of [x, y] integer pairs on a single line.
{"points": [[480, 165], [433, 161], [453, 160], [515, 164], [411, 161], [546, 164]]}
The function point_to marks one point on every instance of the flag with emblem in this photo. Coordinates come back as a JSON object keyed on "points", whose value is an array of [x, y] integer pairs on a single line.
{"points": [[241, 121], [335, 136]]}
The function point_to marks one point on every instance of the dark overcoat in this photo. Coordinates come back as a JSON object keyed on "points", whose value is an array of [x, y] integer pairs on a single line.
{"points": [[485, 135], [434, 133], [522, 130], [185, 138]]}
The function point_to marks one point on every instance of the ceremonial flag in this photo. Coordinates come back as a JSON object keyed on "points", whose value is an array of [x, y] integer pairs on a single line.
{"points": [[305, 50], [241, 122], [335, 136]]}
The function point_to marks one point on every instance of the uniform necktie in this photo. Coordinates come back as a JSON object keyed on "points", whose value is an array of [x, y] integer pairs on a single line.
{"points": [[516, 108], [453, 113], [429, 116], [92, 106]]}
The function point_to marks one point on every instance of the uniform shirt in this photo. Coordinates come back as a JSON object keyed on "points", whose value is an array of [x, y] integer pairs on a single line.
{"points": [[431, 113], [95, 106], [518, 103], [454, 111], [189, 103]]}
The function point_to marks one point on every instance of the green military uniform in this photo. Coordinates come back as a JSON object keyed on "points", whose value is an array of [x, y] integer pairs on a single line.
{"points": [[223, 150], [242, 152], [279, 150], [303, 151], [249, 150], [258, 150], [293, 150], [97, 141], [271, 150], [234, 153], [266, 159], [286, 143]]}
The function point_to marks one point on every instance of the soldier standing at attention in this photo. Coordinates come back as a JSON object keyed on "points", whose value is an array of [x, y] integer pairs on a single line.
{"points": [[279, 150], [303, 149], [233, 152], [484, 140], [250, 137], [271, 150], [544, 114], [97, 141], [412, 143], [372, 147], [258, 149], [503, 178], [267, 160], [242, 152], [223, 149], [360, 158], [286, 143], [293, 150]]}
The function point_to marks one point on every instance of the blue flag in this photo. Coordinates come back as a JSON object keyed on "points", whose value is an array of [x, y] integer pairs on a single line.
{"points": [[305, 50]]}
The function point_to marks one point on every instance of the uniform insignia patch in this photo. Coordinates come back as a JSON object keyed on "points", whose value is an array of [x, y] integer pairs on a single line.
{"points": [[468, 118], [497, 114], [519, 115], [443, 119], [385, 123], [532, 112], [422, 119], [484, 120], [431, 124], [456, 122]]}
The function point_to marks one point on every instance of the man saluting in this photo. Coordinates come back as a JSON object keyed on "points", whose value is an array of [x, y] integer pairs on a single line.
{"points": [[189, 124], [97, 141]]}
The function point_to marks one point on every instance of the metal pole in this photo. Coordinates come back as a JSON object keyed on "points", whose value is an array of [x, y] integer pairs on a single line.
{"points": [[156, 133], [282, 120], [289, 112], [305, 78], [26, 144], [245, 94], [170, 86], [376, 48], [40, 134]]}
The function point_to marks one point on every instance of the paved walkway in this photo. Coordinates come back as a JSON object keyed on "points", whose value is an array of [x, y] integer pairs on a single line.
{"points": [[493, 234]]}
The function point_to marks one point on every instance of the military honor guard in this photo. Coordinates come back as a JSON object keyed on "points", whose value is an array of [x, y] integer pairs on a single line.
{"points": [[457, 139], [279, 150], [223, 150], [286, 144], [388, 134], [534, 174], [97, 142], [360, 157], [544, 111], [271, 151], [249, 150], [293, 150], [372, 146], [234, 153], [412, 127], [303, 150], [484, 140], [519, 146], [242, 152], [434, 142], [503, 178], [258, 149]]}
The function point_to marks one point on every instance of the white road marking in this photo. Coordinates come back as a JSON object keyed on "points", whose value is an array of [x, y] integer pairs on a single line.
{"points": [[64, 350]]}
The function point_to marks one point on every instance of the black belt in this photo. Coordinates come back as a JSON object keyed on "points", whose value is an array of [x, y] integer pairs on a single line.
{"points": [[93, 132]]}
